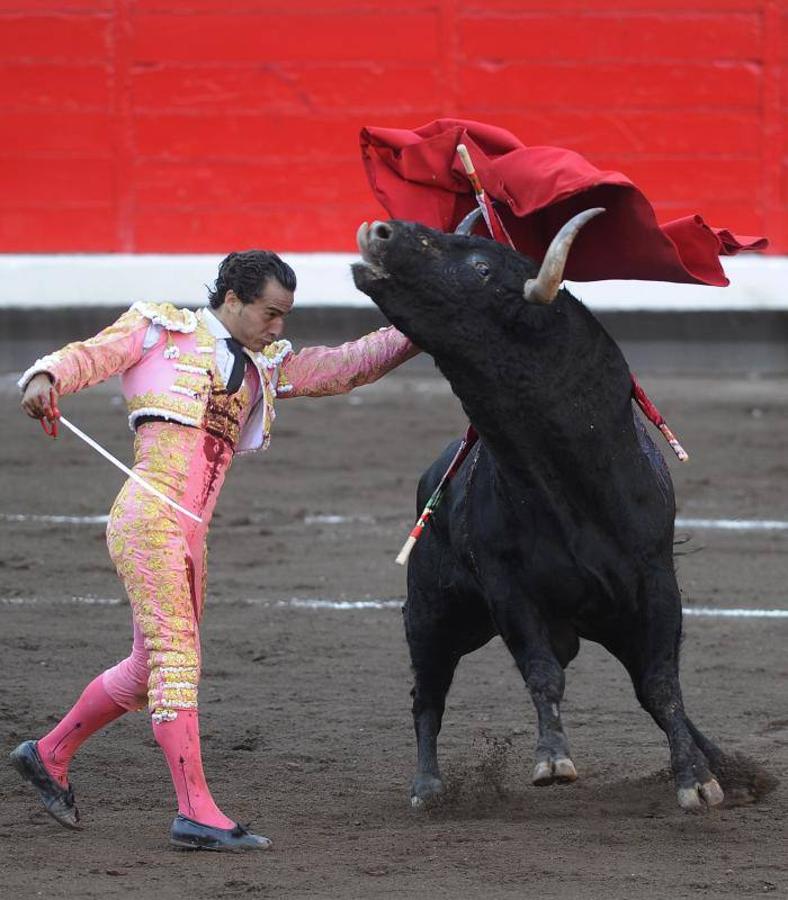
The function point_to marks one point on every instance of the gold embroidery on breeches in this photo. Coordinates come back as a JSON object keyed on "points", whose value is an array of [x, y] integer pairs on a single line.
{"points": [[161, 555]]}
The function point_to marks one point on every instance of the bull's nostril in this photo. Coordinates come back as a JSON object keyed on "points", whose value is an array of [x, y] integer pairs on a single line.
{"points": [[381, 231]]}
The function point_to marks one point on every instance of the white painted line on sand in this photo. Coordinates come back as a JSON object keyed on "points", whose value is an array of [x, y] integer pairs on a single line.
{"points": [[345, 605], [716, 612], [337, 520], [734, 524], [61, 601], [320, 519], [64, 520], [317, 603], [329, 519]]}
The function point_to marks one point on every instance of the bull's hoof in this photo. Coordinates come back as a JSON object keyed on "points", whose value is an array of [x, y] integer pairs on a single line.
{"points": [[424, 789], [700, 797], [550, 771]]}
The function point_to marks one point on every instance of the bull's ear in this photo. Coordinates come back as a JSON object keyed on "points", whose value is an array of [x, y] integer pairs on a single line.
{"points": [[466, 226], [544, 288]]}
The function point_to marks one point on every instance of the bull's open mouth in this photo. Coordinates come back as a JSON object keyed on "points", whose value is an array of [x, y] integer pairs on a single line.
{"points": [[371, 241]]}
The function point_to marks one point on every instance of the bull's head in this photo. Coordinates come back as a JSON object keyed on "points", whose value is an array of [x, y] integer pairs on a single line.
{"points": [[530, 364], [444, 290]]}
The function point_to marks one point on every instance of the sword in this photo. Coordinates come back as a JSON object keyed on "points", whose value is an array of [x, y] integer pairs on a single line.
{"points": [[57, 416]]}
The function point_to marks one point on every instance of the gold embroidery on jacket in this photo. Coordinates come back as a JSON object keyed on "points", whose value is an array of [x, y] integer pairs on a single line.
{"points": [[169, 316], [196, 360], [152, 402], [198, 384]]}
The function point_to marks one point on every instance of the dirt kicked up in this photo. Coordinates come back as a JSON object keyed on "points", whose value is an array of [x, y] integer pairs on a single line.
{"points": [[305, 706]]}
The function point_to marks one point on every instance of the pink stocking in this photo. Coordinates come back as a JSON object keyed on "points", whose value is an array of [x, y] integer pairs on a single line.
{"points": [[94, 709], [179, 738]]}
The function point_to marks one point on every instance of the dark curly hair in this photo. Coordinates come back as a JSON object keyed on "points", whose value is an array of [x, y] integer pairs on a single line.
{"points": [[246, 273]]}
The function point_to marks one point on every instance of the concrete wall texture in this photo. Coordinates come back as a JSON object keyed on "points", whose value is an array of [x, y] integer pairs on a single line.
{"points": [[171, 126]]}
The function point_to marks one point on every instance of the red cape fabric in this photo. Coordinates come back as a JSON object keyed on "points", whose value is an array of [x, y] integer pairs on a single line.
{"points": [[418, 176]]}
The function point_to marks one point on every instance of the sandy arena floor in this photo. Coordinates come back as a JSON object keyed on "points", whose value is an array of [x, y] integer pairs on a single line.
{"points": [[306, 712]]}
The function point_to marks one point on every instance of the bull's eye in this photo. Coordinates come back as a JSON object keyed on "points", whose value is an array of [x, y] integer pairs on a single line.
{"points": [[482, 268], [424, 240]]}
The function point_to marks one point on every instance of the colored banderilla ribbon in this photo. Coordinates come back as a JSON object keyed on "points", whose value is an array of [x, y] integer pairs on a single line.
{"points": [[55, 416], [463, 450]]}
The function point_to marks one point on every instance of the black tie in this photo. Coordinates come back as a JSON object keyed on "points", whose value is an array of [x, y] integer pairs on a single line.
{"points": [[239, 365]]}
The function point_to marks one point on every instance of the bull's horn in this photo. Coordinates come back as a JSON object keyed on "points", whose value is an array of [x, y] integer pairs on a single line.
{"points": [[466, 226], [544, 288]]}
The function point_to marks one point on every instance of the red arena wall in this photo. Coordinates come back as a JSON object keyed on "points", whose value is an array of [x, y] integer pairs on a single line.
{"points": [[198, 126]]}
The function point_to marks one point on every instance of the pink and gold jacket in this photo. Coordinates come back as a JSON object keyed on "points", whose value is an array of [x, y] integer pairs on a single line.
{"points": [[175, 377]]}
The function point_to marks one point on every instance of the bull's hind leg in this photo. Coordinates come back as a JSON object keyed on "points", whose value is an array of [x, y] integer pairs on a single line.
{"points": [[652, 659], [541, 658]]}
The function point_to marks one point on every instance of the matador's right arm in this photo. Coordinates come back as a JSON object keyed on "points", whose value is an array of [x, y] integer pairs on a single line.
{"points": [[84, 363]]}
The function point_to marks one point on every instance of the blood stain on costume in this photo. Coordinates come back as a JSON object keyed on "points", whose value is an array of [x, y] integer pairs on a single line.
{"points": [[192, 586]]}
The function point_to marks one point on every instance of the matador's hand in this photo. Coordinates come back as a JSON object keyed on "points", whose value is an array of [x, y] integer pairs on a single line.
{"points": [[39, 397]]}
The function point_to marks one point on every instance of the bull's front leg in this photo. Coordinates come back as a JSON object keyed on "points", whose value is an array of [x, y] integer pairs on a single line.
{"points": [[545, 680], [527, 638]]}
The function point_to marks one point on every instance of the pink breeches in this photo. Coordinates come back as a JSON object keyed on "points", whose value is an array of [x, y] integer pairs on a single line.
{"points": [[127, 682], [160, 556]]}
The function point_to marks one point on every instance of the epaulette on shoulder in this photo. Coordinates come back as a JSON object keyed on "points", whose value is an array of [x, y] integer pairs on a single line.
{"points": [[274, 353], [167, 315]]}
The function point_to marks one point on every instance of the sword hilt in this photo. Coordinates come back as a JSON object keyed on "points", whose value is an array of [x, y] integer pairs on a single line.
{"points": [[51, 416]]}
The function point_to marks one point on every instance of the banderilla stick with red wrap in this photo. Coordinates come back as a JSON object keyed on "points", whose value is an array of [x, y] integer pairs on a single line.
{"points": [[437, 495], [491, 218], [645, 403]]}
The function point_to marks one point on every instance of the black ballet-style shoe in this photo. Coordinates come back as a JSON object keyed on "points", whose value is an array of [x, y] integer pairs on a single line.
{"points": [[186, 834], [58, 801]]}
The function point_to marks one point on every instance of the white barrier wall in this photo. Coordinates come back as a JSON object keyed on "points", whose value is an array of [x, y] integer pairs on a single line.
{"points": [[324, 280]]}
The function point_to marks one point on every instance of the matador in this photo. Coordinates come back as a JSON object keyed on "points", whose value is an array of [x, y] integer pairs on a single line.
{"points": [[200, 387]]}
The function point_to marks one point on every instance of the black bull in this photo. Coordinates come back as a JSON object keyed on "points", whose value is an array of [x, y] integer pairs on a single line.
{"points": [[559, 525]]}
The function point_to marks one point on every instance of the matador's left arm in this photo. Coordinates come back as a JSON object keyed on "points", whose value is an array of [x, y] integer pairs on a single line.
{"points": [[322, 371]]}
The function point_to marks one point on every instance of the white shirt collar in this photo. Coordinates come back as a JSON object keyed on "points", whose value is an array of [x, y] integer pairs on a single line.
{"points": [[213, 324]]}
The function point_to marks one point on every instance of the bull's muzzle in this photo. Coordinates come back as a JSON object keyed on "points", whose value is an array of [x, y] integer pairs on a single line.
{"points": [[368, 236], [371, 240]]}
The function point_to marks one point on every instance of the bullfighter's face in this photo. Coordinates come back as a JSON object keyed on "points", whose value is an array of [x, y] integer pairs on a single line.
{"points": [[261, 322], [445, 291]]}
